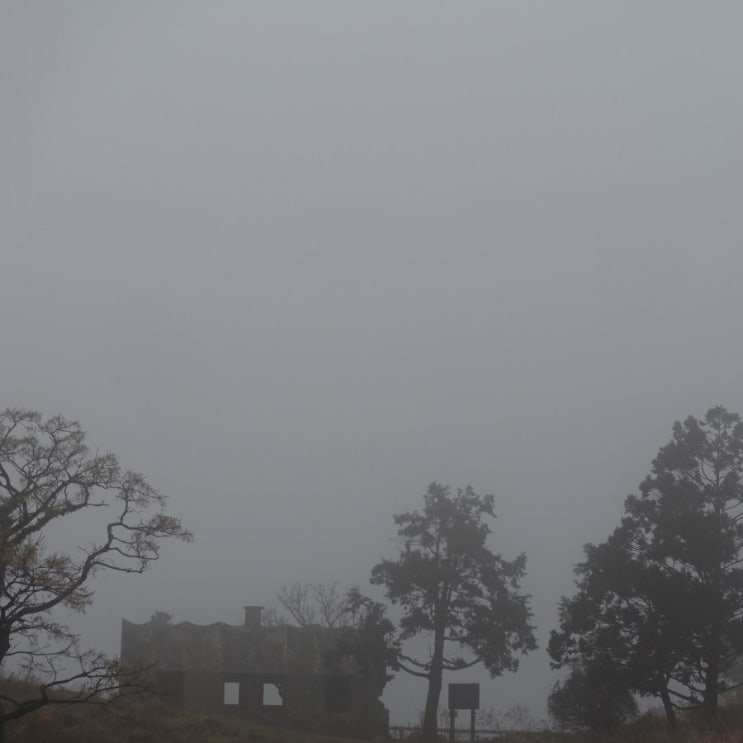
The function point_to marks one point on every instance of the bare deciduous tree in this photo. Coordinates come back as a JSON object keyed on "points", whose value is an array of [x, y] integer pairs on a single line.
{"points": [[332, 605], [48, 475], [296, 600], [315, 603]]}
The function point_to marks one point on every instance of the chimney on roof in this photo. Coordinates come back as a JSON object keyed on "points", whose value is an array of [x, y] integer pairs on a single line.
{"points": [[253, 616]]}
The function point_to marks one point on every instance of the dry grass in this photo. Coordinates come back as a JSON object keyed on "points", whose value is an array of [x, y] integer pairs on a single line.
{"points": [[144, 721], [648, 729], [137, 720], [629, 735], [150, 720]]}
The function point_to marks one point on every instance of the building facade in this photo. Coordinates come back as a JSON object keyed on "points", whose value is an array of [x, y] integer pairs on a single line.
{"points": [[312, 677]]}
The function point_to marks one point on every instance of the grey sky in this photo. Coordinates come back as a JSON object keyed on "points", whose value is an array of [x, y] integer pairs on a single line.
{"points": [[294, 261]]}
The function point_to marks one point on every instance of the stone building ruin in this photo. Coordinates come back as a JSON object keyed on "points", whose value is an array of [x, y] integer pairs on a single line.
{"points": [[314, 677]]}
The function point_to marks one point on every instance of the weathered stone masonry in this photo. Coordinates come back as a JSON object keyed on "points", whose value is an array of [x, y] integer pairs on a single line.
{"points": [[305, 677]]}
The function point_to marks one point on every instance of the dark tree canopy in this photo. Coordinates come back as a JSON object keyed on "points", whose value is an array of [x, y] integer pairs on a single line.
{"points": [[453, 588], [593, 697], [628, 617], [365, 631], [48, 474], [665, 592], [369, 635]]}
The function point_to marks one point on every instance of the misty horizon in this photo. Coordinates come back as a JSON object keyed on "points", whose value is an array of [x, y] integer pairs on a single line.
{"points": [[296, 262]]}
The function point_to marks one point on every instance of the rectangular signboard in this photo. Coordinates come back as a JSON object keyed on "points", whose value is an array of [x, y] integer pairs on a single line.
{"points": [[464, 696]]}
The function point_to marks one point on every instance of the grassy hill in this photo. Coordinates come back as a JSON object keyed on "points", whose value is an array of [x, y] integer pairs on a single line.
{"points": [[136, 720], [148, 721], [152, 720]]}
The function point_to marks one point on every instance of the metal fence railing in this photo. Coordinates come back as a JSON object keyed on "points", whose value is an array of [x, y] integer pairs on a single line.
{"points": [[461, 735]]}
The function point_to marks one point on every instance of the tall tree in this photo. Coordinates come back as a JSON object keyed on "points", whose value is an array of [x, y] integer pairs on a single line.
{"points": [[47, 476], [670, 578], [454, 589], [593, 697], [629, 619]]}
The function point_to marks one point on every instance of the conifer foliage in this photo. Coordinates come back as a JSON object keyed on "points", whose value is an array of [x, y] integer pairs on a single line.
{"points": [[662, 598], [454, 589]]}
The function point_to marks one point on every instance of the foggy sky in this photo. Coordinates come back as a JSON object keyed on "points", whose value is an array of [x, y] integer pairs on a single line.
{"points": [[294, 261]]}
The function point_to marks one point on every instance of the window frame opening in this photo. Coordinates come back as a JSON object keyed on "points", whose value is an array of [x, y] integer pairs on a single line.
{"points": [[272, 694], [231, 693]]}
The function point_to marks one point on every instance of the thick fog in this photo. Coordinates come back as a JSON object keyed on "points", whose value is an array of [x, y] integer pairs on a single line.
{"points": [[294, 261]]}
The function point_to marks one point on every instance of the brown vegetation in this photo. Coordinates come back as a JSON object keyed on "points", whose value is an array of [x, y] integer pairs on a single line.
{"points": [[650, 728], [154, 720], [143, 721], [134, 719]]}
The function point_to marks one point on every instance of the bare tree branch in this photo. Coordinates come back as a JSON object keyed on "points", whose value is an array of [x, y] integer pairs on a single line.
{"points": [[295, 599], [47, 474]]}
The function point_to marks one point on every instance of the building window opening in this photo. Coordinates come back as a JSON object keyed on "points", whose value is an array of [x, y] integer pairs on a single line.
{"points": [[231, 692], [272, 696]]}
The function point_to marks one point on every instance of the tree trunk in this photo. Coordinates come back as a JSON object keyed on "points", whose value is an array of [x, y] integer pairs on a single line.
{"points": [[430, 715], [711, 688], [669, 709], [4, 648], [713, 649], [435, 679]]}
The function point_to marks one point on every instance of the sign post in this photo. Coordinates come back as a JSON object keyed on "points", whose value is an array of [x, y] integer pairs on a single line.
{"points": [[463, 696]]}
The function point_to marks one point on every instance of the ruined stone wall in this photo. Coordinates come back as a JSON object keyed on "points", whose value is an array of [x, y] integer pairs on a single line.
{"points": [[236, 669]]}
